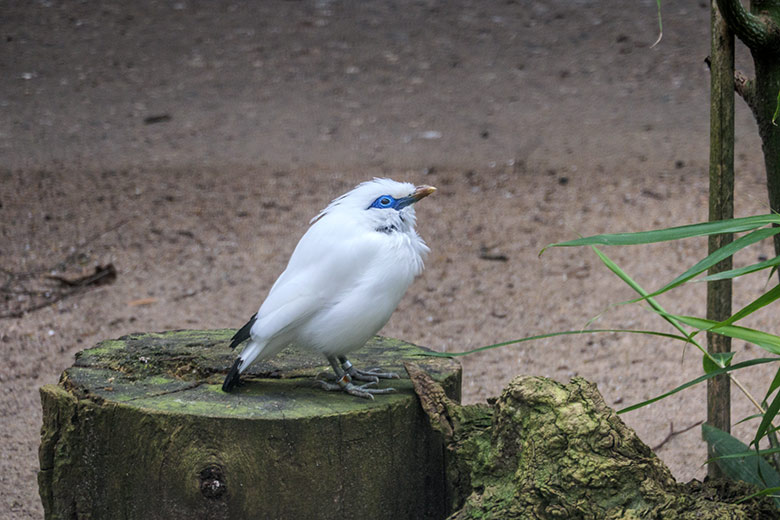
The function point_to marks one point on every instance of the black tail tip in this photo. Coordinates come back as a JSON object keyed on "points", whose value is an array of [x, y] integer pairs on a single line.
{"points": [[233, 377]]}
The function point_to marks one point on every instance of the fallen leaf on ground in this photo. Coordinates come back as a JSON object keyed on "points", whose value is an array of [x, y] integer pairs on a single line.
{"points": [[142, 301]]}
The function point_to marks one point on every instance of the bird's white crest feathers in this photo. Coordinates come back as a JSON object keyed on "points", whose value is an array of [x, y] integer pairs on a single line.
{"points": [[362, 195]]}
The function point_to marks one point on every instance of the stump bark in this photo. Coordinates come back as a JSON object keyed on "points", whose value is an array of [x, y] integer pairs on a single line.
{"points": [[139, 428], [546, 450]]}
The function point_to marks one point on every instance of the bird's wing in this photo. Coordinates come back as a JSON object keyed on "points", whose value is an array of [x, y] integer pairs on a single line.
{"points": [[323, 267], [289, 312]]}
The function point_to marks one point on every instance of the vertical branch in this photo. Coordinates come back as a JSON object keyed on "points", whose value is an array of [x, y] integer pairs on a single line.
{"points": [[721, 207], [756, 31], [759, 29]]}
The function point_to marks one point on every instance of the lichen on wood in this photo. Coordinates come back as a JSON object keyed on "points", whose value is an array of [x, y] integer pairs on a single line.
{"points": [[546, 450]]}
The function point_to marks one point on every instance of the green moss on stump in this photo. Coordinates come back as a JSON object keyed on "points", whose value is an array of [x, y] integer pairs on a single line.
{"points": [[547, 450], [139, 428]]}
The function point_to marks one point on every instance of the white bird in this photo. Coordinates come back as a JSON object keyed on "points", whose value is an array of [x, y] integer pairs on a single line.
{"points": [[342, 283]]}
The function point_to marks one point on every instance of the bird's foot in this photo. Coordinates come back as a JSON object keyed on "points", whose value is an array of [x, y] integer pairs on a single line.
{"points": [[372, 375], [345, 385]]}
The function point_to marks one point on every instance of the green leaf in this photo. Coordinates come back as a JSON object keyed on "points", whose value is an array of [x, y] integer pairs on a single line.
{"points": [[762, 301], [722, 359], [748, 453], [768, 342], [777, 109], [712, 259], [752, 468], [693, 382], [719, 255], [735, 225], [774, 385], [766, 422], [734, 273], [551, 335], [763, 492], [661, 28], [749, 418], [612, 266]]}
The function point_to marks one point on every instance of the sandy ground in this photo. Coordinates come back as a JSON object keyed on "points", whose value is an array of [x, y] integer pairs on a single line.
{"points": [[188, 144]]}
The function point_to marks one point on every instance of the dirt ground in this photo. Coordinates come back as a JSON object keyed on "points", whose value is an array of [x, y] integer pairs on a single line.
{"points": [[188, 143]]}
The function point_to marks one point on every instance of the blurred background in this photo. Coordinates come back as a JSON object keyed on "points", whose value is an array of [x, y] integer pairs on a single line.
{"points": [[172, 153]]}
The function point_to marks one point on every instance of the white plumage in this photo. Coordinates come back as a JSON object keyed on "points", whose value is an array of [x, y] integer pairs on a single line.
{"points": [[342, 282]]}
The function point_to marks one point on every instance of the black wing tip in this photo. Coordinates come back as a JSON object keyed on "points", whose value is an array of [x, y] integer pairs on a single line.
{"points": [[235, 341], [242, 334], [233, 377]]}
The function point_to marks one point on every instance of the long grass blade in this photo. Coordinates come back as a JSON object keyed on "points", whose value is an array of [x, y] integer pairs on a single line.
{"points": [[675, 233], [765, 299], [766, 422], [773, 385], [748, 453], [661, 35], [764, 492], [552, 335], [718, 256], [712, 259], [749, 418], [734, 273], [612, 266], [693, 382], [765, 340]]}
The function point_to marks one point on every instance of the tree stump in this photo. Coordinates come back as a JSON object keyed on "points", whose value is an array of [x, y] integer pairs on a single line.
{"points": [[139, 428], [546, 450]]}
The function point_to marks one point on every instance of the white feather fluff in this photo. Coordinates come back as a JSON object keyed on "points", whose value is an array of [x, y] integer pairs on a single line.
{"points": [[345, 276]]}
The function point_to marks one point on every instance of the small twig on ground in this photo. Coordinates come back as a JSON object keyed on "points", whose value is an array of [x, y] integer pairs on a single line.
{"points": [[54, 299], [23, 283], [102, 274], [673, 433], [485, 254]]}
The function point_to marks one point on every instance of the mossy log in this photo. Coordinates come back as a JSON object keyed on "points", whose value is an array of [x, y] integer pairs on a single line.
{"points": [[545, 450], [139, 428]]}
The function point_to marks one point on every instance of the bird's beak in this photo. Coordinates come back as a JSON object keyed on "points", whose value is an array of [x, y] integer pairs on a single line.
{"points": [[418, 193], [422, 192]]}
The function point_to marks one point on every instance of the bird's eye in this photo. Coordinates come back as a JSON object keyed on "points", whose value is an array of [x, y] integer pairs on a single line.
{"points": [[385, 201]]}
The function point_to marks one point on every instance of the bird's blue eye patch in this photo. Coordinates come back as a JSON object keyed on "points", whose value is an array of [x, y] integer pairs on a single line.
{"points": [[383, 202]]}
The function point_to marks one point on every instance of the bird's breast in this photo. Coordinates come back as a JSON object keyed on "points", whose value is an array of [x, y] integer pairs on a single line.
{"points": [[359, 309]]}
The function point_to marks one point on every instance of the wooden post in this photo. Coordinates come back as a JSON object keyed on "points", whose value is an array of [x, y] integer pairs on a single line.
{"points": [[139, 428], [721, 207]]}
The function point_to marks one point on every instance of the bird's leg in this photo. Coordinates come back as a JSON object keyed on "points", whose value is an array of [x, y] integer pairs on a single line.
{"points": [[374, 374], [345, 383]]}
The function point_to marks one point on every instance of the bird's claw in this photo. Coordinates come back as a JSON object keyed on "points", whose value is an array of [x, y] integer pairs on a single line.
{"points": [[357, 390], [373, 374], [365, 392]]}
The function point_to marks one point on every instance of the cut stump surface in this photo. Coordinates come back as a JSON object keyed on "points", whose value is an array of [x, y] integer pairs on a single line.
{"points": [[139, 428]]}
